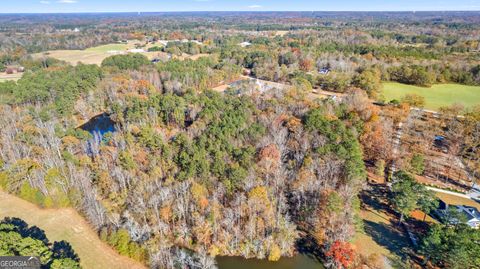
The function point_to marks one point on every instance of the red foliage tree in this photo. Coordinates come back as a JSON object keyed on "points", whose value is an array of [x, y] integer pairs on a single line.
{"points": [[341, 253]]}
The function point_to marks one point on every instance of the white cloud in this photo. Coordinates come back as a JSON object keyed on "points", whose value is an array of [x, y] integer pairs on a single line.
{"points": [[67, 1], [45, 2], [255, 6]]}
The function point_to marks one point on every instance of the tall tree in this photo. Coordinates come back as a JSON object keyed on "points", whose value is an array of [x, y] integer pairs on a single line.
{"points": [[408, 195]]}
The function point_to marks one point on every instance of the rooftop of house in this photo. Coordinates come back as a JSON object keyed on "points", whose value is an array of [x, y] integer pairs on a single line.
{"points": [[471, 214]]}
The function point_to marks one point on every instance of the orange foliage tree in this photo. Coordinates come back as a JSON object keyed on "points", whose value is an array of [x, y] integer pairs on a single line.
{"points": [[341, 253]]}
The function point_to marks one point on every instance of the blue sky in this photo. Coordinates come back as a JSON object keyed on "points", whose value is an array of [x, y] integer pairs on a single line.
{"points": [[41, 6]]}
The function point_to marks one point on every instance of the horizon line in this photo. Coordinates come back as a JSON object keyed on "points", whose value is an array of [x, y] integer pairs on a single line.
{"points": [[220, 11]]}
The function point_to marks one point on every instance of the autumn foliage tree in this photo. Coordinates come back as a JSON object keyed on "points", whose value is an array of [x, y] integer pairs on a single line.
{"points": [[341, 254]]}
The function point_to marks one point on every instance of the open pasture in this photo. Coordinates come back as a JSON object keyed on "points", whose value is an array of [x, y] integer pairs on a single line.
{"points": [[437, 96]]}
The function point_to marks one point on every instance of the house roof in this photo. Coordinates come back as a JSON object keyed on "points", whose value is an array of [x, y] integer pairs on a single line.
{"points": [[470, 212]]}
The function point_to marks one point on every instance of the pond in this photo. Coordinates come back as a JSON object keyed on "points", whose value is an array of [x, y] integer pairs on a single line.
{"points": [[99, 125], [300, 261]]}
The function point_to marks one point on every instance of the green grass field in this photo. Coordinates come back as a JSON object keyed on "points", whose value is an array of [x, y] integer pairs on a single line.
{"points": [[437, 96]]}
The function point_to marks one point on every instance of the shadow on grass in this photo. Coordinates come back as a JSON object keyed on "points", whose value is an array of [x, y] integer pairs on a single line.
{"points": [[389, 236], [376, 198]]}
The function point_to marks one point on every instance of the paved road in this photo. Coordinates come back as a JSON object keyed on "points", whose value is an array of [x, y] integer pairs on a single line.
{"points": [[473, 195], [449, 192]]}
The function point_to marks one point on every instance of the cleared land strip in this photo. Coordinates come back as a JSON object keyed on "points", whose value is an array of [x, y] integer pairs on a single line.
{"points": [[67, 224]]}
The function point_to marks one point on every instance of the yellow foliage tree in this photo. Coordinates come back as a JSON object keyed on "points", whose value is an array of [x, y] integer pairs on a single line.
{"points": [[275, 253]]}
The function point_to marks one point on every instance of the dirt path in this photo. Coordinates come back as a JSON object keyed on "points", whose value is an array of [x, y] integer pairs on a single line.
{"points": [[67, 224]]}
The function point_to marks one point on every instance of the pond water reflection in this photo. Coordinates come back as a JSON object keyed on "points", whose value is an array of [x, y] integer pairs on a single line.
{"points": [[99, 125]]}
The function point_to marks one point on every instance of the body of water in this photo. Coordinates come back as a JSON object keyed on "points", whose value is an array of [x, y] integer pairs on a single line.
{"points": [[300, 261], [100, 124]]}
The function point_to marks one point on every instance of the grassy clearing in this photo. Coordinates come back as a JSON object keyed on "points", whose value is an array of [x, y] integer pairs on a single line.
{"points": [[381, 233], [281, 33], [93, 55], [455, 200], [75, 56], [109, 47], [96, 55], [437, 96], [67, 224]]}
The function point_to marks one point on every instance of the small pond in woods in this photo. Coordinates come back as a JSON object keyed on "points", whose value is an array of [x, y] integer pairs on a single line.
{"points": [[300, 261], [99, 125]]}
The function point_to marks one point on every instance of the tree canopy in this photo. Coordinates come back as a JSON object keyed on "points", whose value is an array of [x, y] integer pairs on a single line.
{"points": [[19, 239], [408, 195]]}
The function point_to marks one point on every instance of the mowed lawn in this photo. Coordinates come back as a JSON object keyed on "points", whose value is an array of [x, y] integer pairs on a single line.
{"points": [[75, 56], [381, 234], [455, 200], [437, 96], [67, 224]]}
